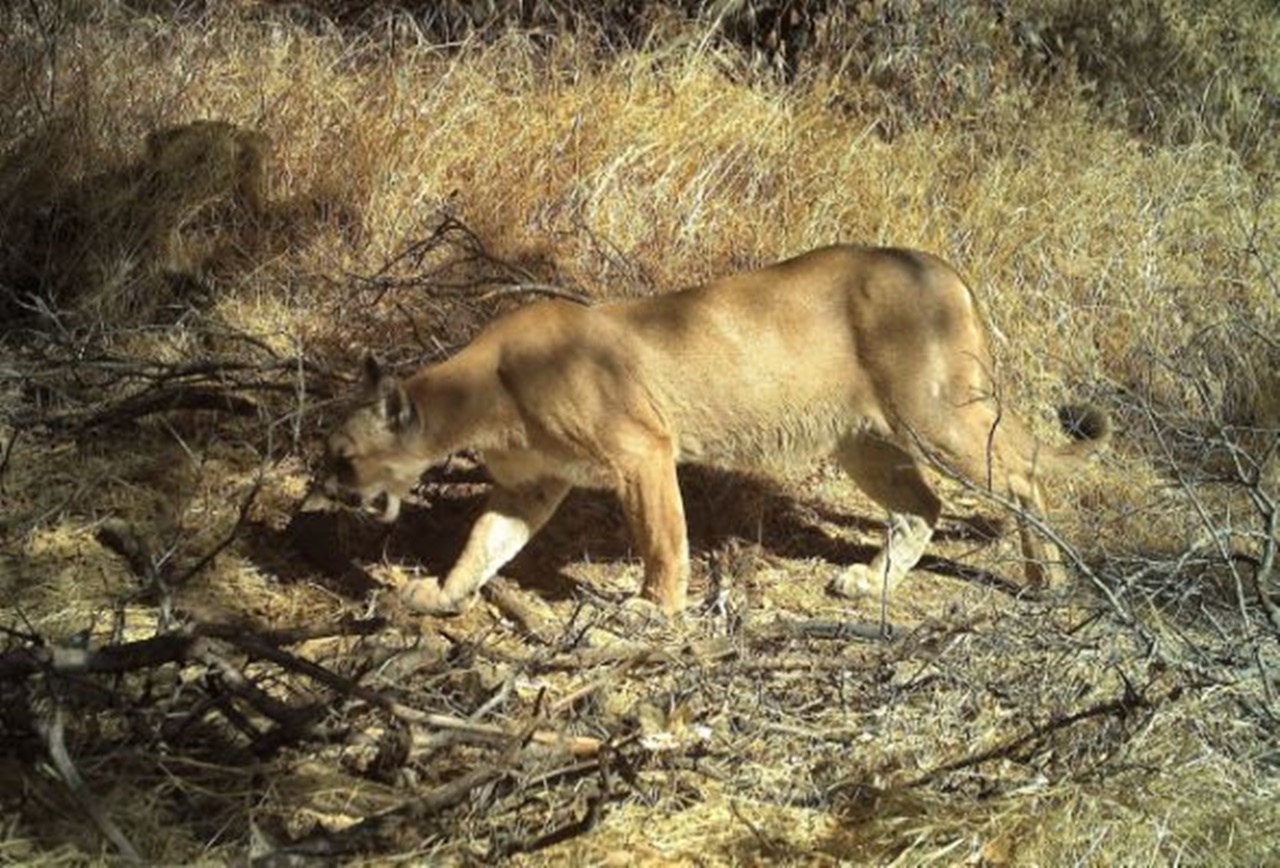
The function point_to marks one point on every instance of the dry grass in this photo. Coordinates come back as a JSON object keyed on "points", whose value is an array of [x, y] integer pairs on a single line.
{"points": [[1139, 273]]}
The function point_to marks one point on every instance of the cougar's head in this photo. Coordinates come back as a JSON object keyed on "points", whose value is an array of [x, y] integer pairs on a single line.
{"points": [[370, 460]]}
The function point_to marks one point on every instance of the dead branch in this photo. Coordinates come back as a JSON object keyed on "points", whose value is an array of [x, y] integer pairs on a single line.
{"points": [[373, 832], [171, 399], [838, 631], [802, 663], [88, 390], [133, 547], [349, 687], [545, 289], [533, 619], [53, 734], [241, 518], [1120, 707], [469, 250], [573, 829], [212, 654], [1268, 510], [175, 647], [577, 694], [634, 654], [626, 656], [108, 660]]}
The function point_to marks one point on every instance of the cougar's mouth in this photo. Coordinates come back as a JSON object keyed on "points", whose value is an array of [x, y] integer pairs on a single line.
{"points": [[384, 506]]}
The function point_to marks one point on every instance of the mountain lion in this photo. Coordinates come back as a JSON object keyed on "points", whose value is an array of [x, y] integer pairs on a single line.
{"points": [[876, 357]]}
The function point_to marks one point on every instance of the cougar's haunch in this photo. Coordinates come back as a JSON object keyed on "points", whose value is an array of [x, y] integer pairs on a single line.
{"points": [[877, 357]]}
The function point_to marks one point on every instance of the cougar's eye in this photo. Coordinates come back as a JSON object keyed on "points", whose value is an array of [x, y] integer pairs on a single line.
{"points": [[339, 466], [344, 469]]}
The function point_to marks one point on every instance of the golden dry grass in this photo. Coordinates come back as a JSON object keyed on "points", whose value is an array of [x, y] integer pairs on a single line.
{"points": [[1139, 273]]}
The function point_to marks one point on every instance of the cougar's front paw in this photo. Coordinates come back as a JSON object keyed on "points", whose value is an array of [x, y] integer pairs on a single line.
{"points": [[425, 597], [855, 582]]}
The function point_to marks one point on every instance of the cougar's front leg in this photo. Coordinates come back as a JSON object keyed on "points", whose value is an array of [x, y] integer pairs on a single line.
{"points": [[651, 500], [511, 517]]}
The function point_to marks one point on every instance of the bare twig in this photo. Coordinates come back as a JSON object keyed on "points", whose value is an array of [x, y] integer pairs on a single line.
{"points": [[536, 289], [1120, 707], [802, 662], [520, 609], [53, 733], [243, 516], [376, 830], [409, 714], [838, 631], [156, 651], [573, 829], [206, 651], [511, 279], [170, 399]]}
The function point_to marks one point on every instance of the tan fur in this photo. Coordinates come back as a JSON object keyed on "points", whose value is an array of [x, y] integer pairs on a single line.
{"points": [[875, 356]]}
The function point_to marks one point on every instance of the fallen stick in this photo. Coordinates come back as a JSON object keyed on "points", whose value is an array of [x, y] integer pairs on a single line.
{"points": [[329, 847], [52, 733], [818, 628], [1119, 707], [174, 647], [189, 647], [577, 745], [701, 651], [795, 662], [532, 619]]}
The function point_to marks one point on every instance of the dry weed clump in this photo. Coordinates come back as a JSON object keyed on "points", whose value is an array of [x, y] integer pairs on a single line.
{"points": [[121, 245], [1169, 70], [1176, 71], [201, 670]]}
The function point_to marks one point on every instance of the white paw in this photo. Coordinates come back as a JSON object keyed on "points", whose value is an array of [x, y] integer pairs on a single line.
{"points": [[856, 582], [425, 597]]}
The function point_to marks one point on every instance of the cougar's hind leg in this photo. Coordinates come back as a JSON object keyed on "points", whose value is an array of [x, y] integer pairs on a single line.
{"points": [[511, 517], [891, 477], [1001, 454], [1041, 560]]}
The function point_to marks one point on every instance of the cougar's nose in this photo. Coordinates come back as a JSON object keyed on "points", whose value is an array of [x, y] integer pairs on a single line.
{"points": [[340, 494]]}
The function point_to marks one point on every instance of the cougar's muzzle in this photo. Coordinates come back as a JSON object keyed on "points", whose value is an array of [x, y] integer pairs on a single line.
{"points": [[329, 494]]}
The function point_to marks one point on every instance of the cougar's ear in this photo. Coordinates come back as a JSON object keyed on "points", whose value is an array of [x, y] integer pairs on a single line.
{"points": [[373, 375], [393, 402], [397, 409]]}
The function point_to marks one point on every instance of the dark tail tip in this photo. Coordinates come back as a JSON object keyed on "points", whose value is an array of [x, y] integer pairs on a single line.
{"points": [[1085, 422]]}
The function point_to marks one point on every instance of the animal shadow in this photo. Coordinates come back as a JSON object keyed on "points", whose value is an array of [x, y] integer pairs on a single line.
{"points": [[141, 240], [722, 507]]}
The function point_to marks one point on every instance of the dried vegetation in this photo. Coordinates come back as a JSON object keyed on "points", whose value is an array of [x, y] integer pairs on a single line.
{"points": [[191, 673]]}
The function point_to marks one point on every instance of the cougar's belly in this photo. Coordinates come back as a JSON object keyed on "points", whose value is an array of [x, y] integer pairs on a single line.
{"points": [[751, 438]]}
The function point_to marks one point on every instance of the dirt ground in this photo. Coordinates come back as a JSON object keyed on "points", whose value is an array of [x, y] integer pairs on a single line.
{"points": [[300, 713]]}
